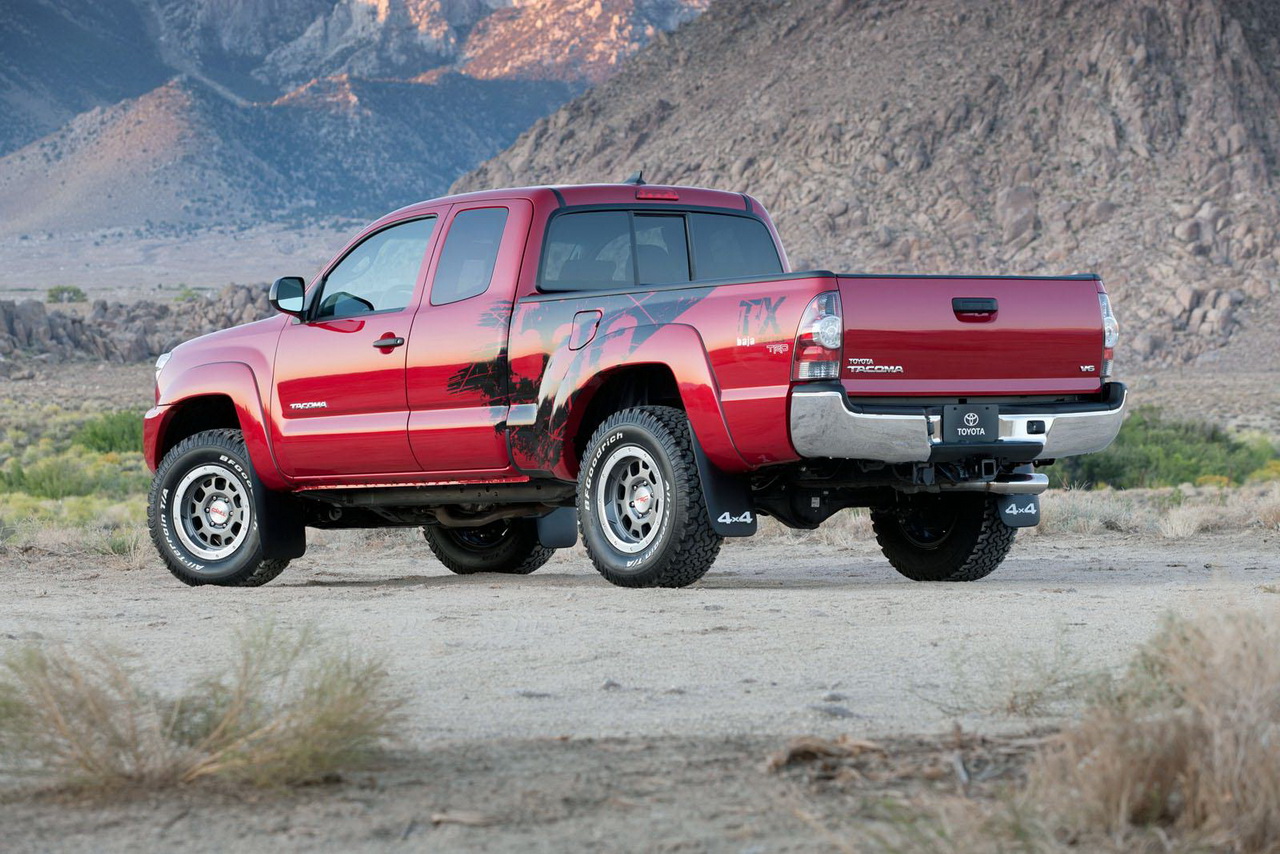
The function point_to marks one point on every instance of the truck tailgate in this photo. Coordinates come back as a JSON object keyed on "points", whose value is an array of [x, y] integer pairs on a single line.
{"points": [[953, 336]]}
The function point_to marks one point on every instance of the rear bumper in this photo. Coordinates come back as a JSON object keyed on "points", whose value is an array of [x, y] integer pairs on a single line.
{"points": [[824, 424]]}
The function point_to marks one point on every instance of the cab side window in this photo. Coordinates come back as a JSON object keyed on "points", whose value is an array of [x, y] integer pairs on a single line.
{"points": [[469, 255], [599, 250], [588, 250], [732, 247], [378, 275]]}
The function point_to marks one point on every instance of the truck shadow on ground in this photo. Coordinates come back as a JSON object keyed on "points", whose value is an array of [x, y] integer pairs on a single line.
{"points": [[866, 576]]}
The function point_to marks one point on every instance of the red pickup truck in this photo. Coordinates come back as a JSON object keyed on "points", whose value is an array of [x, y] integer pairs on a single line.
{"points": [[635, 362]]}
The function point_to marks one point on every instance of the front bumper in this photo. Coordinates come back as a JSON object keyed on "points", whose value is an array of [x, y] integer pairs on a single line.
{"points": [[825, 424]]}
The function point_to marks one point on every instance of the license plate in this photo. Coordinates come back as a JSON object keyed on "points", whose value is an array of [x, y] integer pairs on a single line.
{"points": [[965, 423]]}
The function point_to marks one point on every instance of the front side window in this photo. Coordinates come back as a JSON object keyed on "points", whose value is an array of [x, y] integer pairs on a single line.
{"points": [[470, 253], [378, 275]]}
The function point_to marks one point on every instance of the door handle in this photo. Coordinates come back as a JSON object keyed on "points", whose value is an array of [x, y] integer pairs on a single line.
{"points": [[974, 305], [386, 342]]}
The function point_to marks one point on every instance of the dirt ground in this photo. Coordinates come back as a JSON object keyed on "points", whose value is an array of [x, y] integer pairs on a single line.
{"points": [[555, 712]]}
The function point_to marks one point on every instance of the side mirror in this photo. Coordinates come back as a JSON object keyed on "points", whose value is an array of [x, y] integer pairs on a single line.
{"points": [[287, 295]]}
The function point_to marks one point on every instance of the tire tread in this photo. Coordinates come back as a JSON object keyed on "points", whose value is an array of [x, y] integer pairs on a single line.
{"points": [[698, 545], [991, 546], [231, 440]]}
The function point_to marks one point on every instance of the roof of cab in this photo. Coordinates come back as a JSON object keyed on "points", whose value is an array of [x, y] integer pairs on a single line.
{"points": [[595, 194]]}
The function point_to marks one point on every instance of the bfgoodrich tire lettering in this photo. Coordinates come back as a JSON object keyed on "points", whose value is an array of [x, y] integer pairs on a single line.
{"points": [[201, 514], [640, 504], [955, 537]]}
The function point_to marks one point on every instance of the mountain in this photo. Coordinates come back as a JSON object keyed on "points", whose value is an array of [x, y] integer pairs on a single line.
{"points": [[1138, 140], [62, 57], [183, 156], [168, 115]]}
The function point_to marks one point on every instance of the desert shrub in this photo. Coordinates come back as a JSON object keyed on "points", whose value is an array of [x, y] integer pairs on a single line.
{"points": [[1269, 472], [75, 472], [285, 710], [117, 432], [1188, 740], [65, 293], [1153, 451]]}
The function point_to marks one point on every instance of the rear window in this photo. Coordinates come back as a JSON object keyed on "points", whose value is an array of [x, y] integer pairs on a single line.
{"points": [[606, 250]]}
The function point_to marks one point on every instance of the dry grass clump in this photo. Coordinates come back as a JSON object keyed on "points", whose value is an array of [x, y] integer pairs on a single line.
{"points": [[1187, 743], [1090, 511], [285, 710], [1028, 683], [1187, 521], [1267, 510], [846, 529]]}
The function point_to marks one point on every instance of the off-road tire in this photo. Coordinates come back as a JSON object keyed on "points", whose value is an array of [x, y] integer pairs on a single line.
{"points": [[221, 455], [679, 544], [510, 547], [967, 541]]}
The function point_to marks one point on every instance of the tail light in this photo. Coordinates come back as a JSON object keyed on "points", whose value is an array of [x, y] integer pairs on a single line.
{"points": [[819, 339], [1110, 335]]}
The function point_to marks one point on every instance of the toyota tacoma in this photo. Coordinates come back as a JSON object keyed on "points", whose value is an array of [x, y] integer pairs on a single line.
{"points": [[634, 363]]}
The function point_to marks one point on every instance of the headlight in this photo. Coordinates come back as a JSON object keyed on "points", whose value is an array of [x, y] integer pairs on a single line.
{"points": [[161, 361]]}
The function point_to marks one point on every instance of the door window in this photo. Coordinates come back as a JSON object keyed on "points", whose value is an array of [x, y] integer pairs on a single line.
{"points": [[469, 255], [378, 275]]}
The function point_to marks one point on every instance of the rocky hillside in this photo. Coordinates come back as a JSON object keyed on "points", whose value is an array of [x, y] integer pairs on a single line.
{"points": [[173, 114], [1135, 139], [117, 332]]}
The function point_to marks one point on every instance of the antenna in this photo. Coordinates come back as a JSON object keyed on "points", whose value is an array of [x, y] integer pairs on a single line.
{"points": [[636, 178]]}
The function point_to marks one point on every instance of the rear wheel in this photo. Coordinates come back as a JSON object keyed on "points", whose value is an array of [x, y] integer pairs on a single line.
{"points": [[640, 505], [509, 547], [952, 537], [201, 513]]}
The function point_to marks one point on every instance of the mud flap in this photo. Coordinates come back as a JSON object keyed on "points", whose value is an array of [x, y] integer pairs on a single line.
{"points": [[728, 498], [558, 529], [280, 523], [1019, 511]]}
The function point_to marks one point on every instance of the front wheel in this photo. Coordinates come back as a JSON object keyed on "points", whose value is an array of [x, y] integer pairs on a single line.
{"points": [[640, 505], [951, 537], [202, 517], [509, 547]]}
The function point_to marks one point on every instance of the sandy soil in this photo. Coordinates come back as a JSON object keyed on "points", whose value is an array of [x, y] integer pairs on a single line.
{"points": [[574, 714]]}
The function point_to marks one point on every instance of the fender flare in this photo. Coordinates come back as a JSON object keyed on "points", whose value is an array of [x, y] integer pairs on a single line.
{"points": [[280, 519], [234, 380]]}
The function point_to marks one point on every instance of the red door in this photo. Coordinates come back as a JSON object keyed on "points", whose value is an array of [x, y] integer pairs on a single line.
{"points": [[457, 361], [339, 384]]}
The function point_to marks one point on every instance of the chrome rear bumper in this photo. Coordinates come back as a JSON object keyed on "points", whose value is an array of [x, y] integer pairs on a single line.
{"points": [[825, 424]]}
